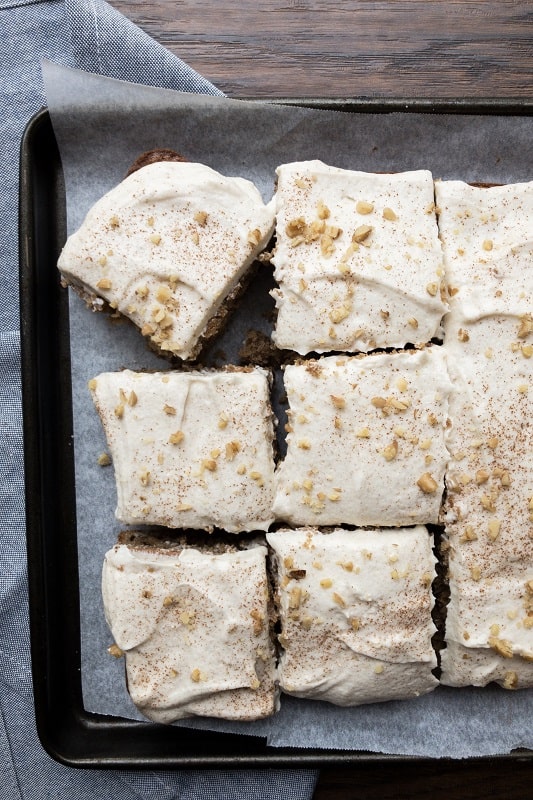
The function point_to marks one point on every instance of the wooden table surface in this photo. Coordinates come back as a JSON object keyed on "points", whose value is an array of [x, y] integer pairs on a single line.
{"points": [[316, 48]]}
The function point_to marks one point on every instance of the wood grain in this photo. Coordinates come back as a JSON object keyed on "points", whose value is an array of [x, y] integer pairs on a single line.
{"points": [[449, 780], [419, 48]]}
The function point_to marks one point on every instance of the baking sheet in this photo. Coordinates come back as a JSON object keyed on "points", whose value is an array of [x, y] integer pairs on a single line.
{"points": [[102, 125]]}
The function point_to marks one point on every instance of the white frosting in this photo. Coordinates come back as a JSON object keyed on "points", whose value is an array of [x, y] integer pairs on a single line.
{"points": [[190, 449], [337, 294], [355, 611], [194, 629], [166, 247], [488, 246], [366, 442]]}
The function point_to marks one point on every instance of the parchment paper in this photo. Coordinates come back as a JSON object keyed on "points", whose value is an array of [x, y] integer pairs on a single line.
{"points": [[102, 125]]}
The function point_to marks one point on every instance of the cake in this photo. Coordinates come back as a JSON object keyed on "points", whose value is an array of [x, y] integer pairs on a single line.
{"points": [[190, 449], [366, 442], [169, 248], [355, 609], [193, 625], [357, 259], [487, 235]]}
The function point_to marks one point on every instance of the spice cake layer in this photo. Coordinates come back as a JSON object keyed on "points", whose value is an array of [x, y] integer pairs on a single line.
{"points": [[487, 235], [357, 259], [366, 441], [190, 449], [167, 248], [193, 625], [355, 609]]}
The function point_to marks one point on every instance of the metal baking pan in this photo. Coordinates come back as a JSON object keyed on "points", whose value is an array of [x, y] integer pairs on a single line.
{"points": [[67, 731]]}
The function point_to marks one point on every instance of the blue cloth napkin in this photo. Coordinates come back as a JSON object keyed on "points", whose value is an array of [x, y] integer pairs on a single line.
{"points": [[90, 35]]}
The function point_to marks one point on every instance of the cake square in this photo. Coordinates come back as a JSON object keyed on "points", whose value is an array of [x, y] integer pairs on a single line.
{"points": [[487, 236], [357, 259], [168, 248], [193, 625], [355, 609], [190, 449], [366, 442]]}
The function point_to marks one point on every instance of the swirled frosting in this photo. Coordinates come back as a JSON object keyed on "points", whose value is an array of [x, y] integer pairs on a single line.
{"points": [[366, 442], [355, 610], [190, 449], [357, 259], [487, 235], [166, 247], [194, 629]]}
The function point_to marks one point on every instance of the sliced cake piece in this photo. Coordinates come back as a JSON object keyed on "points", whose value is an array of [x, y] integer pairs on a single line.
{"points": [[487, 235], [355, 610], [358, 260], [168, 248], [190, 449], [366, 441], [193, 625]]}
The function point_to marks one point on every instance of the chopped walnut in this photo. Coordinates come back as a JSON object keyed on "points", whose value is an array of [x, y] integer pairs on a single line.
{"points": [[254, 237], [391, 451], [339, 313], [469, 535], [362, 233], [296, 574], [510, 680], [402, 384], [494, 529], [338, 401], [322, 210], [232, 448], [163, 293], [363, 207], [482, 476], [427, 483], [201, 218], [295, 227], [501, 646], [223, 420], [379, 402], [526, 326], [295, 597]]}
